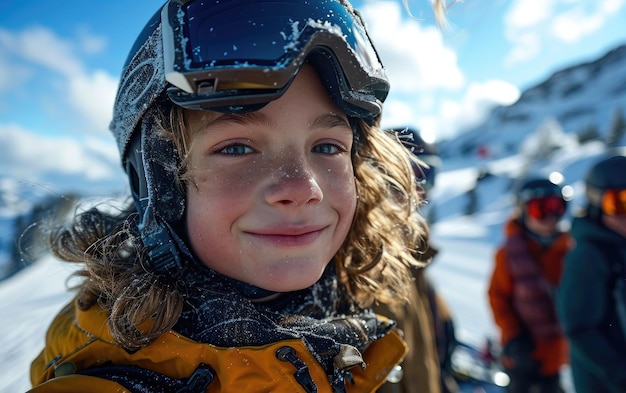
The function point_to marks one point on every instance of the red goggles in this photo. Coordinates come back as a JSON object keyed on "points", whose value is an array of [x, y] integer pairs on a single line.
{"points": [[614, 202], [549, 206]]}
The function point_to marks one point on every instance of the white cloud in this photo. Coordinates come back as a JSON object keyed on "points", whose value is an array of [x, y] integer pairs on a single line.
{"points": [[93, 95], [11, 74], [525, 27], [481, 98], [89, 93], [90, 43], [421, 68], [416, 57], [30, 156], [573, 24], [419, 63], [528, 24], [43, 47], [451, 115], [528, 14], [398, 113], [474, 107], [407, 110]]}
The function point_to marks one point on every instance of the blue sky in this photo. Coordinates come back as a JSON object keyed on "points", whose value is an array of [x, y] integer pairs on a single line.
{"points": [[60, 62]]}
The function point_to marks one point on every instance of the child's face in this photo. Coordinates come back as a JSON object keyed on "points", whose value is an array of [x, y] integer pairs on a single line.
{"points": [[544, 227], [272, 193]]}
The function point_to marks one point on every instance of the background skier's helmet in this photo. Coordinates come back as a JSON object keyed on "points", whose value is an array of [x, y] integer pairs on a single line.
{"points": [[425, 151], [541, 197], [234, 57], [605, 187]]}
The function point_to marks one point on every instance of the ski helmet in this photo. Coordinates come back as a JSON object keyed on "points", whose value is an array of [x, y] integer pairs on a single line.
{"points": [[534, 196], [537, 188], [606, 174], [425, 151], [231, 57]]}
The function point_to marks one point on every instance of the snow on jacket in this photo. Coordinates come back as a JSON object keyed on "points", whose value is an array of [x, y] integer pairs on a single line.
{"points": [[587, 308], [521, 294], [225, 342]]}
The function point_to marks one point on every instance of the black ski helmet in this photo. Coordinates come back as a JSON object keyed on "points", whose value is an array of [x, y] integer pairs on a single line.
{"points": [[189, 55], [425, 151], [609, 173], [538, 187]]}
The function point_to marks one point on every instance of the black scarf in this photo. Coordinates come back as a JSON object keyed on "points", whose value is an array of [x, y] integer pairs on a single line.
{"points": [[322, 316]]}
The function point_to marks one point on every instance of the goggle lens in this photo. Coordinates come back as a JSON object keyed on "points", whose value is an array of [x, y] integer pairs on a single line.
{"points": [[614, 202], [540, 208], [230, 54], [261, 33]]}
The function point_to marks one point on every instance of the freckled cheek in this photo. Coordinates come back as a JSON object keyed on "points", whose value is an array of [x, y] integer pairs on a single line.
{"points": [[221, 183], [340, 186], [218, 196], [214, 203]]}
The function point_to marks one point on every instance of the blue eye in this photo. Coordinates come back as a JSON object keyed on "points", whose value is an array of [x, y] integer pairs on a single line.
{"points": [[236, 149], [328, 148]]}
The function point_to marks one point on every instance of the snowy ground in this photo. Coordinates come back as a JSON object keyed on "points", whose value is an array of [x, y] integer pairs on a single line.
{"points": [[30, 299]]}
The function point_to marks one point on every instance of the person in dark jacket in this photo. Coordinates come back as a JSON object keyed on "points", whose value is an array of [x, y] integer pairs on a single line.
{"points": [[587, 302], [521, 292]]}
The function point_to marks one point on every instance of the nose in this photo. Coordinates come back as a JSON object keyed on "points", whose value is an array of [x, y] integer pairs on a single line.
{"points": [[294, 183]]}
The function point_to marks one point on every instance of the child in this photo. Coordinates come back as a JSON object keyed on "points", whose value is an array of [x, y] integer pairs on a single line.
{"points": [[589, 300], [270, 211], [521, 291]]}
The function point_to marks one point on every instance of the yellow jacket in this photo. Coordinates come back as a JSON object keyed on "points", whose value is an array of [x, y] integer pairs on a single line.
{"points": [[79, 340]]}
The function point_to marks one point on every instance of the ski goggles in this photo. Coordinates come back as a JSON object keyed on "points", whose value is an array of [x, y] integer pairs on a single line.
{"points": [[614, 202], [543, 207], [236, 56]]}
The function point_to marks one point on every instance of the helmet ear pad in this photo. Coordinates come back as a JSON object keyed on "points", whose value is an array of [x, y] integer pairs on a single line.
{"points": [[152, 164]]}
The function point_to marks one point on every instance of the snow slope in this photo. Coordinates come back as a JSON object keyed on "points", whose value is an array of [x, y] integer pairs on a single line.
{"points": [[28, 302]]}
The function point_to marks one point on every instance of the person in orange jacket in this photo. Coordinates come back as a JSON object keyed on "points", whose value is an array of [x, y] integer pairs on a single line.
{"points": [[522, 289], [269, 212]]}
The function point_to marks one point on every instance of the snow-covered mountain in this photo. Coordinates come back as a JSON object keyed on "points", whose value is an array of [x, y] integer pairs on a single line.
{"points": [[582, 99]]}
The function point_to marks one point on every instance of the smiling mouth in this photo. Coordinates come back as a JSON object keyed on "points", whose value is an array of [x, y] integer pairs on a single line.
{"points": [[289, 240]]}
